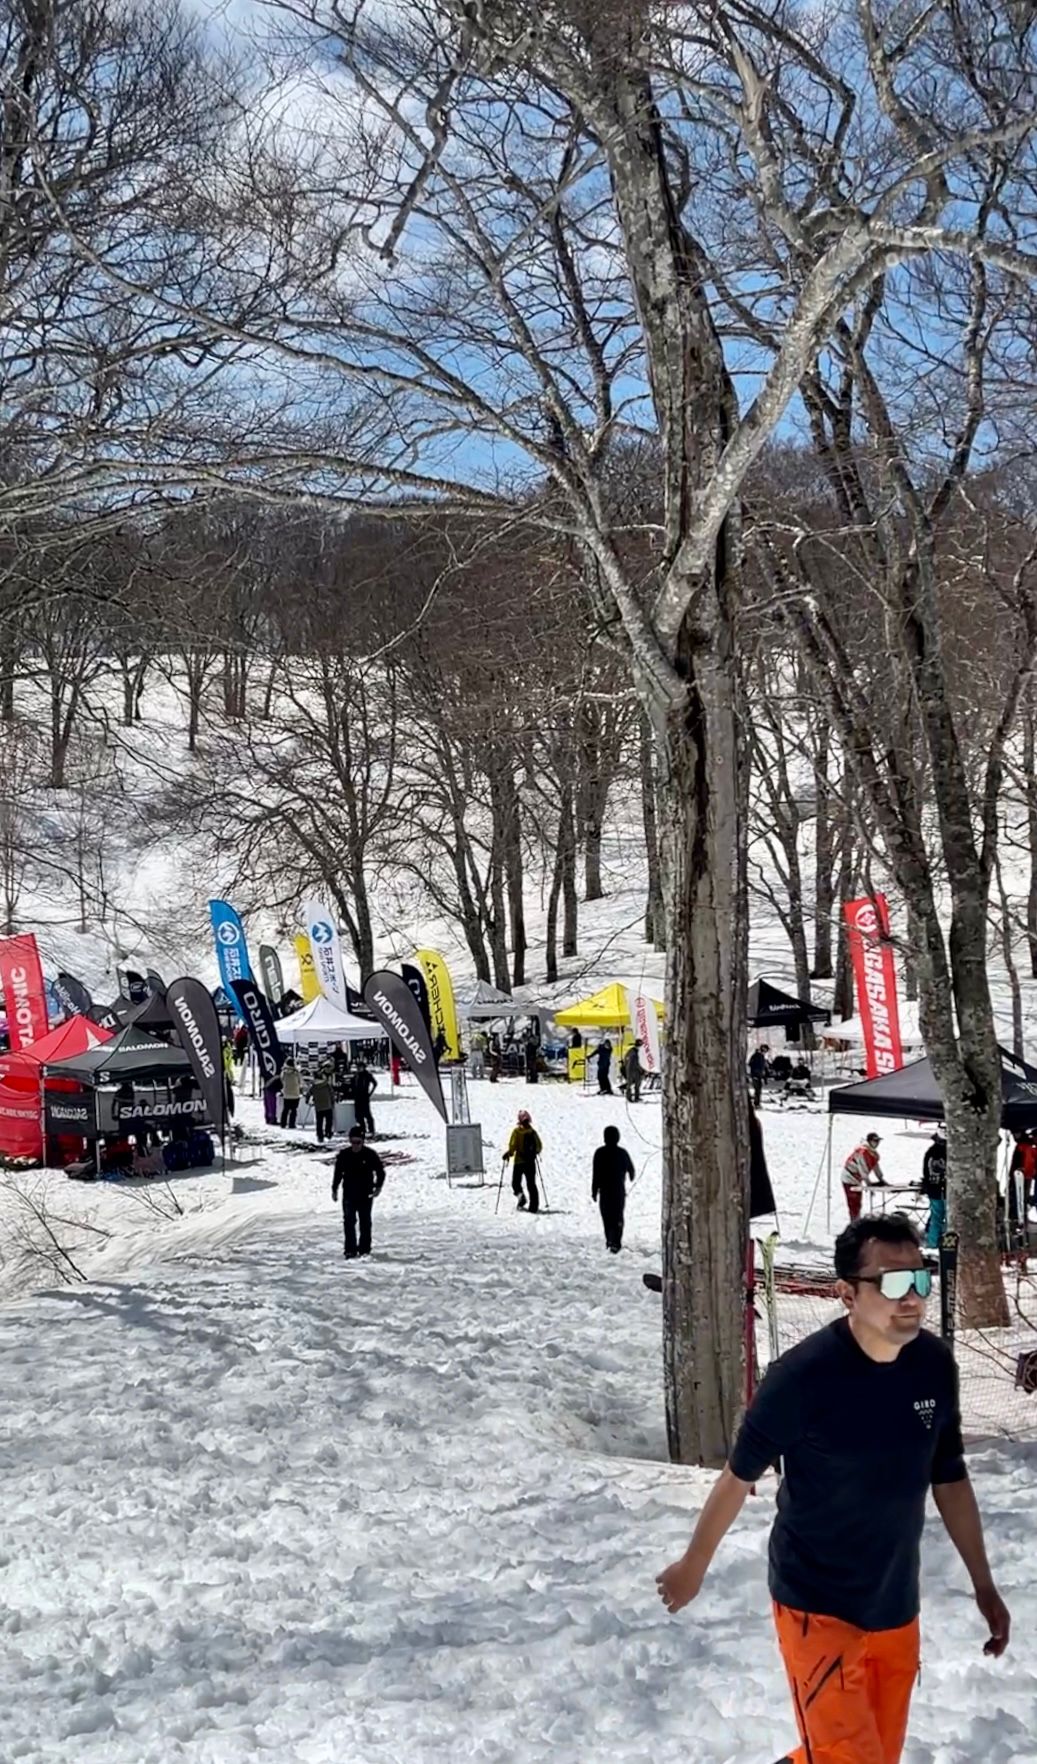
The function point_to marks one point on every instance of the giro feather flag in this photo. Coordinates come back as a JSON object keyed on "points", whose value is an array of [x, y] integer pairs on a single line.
{"points": [[309, 985], [21, 980], [442, 1011], [270, 968], [393, 1005], [875, 974], [198, 1027], [231, 948], [260, 1024], [327, 952]]}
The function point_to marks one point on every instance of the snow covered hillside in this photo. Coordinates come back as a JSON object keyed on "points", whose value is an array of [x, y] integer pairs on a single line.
{"points": [[260, 1503]]}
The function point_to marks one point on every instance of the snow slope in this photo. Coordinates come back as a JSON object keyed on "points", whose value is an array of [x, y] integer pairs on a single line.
{"points": [[259, 1503]]}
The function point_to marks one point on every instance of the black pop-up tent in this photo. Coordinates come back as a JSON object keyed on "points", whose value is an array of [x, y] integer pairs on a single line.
{"points": [[160, 1078], [912, 1093], [770, 1008]]}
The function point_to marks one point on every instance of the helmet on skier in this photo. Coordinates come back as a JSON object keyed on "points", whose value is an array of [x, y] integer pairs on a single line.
{"points": [[525, 1119]]}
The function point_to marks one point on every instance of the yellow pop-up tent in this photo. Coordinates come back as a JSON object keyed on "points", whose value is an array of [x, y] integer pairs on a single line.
{"points": [[607, 1009]]}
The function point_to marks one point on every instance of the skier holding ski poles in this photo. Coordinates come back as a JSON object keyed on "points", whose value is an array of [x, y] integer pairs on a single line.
{"points": [[524, 1147], [865, 1419]]}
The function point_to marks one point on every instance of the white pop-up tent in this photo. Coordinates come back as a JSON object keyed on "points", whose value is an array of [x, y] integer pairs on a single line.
{"points": [[321, 1022]]}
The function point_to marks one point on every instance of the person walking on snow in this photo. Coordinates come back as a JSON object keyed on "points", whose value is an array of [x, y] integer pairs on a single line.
{"points": [[862, 1170], [360, 1174], [364, 1086], [322, 1095], [633, 1072], [605, 1067], [864, 1417], [524, 1147], [611, 1170], [758, 1073], [291, 1092], [934, 1187]]}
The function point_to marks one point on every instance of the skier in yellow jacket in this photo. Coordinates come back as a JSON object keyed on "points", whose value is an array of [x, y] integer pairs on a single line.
{"points": [[525, 1147]]}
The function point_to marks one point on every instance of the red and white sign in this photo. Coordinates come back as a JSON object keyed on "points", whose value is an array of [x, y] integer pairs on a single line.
{"points": [[644, 1021], [21, 981], [876, 977]]}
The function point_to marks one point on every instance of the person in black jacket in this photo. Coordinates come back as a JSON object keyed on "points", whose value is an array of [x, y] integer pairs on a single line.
{"points": [[612, 1166], [364, 1086], [604, 1057], [758, 1073], [934, 1187], [360, 1174]]}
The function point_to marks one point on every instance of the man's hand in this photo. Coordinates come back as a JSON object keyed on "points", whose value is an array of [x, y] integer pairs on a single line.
{"points": [[998, 1621], [679, 1584]]}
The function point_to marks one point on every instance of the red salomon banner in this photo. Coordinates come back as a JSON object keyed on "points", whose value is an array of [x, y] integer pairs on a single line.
{"points": [[21, 981], [876, 978]]}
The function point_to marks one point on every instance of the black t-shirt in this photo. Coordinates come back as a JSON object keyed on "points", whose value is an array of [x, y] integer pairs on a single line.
{"points": [[861, 1443], [359, 1172], [611, 1166]]}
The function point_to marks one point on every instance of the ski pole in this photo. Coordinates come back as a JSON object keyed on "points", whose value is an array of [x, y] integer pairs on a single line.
{"points": [[500, 1185], [543, 1186]]}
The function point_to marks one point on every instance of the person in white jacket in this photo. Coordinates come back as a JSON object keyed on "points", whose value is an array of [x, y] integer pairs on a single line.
{"points": [[862, 1170]]}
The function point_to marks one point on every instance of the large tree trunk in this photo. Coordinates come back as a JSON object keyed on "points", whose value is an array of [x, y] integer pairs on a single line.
{"points": [[1008, 957], [824, 859], [570, 896], [705, 1116], [1031, 821], [842, 994], [655, 913]]}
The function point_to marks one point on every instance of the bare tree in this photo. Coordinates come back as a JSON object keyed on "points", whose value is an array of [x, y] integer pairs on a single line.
{"points": [[697, 177]]}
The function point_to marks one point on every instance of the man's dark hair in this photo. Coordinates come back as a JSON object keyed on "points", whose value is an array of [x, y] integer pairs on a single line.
{"points": [[356, 1132], [880, 1228], [611, 1136]]}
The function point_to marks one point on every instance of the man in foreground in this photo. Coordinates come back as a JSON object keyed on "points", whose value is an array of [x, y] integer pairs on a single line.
{"points": [[864, 1417], [360, 1174]]}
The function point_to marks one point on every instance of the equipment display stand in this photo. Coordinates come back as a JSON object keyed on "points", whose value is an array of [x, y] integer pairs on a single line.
{"points": [[463, 1135]]}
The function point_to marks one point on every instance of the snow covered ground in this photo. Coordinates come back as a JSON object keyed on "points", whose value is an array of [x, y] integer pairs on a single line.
{"points": [[259, 1503]]}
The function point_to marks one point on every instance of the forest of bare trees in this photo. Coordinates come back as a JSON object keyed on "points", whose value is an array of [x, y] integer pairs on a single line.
{"points": [[494, 417]]}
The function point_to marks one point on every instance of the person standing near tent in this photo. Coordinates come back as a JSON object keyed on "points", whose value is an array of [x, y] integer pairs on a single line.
{"points": [[271, 1091], [934, 1187], [340, 1068], [496, 1057], [228, 1078], [524, 1147], [364, 1086], [1022, 1171], [758, 1073], [322, 1095], [530, 1054], [633, 1072], [860, 1171], [610, 1172], [291, 1092], [395, 1068], [604, 1059], [360, 1174], [864, 1417]]}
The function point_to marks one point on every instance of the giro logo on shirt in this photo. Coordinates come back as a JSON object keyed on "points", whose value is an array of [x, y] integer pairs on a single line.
{"points": [[926, 1411]]}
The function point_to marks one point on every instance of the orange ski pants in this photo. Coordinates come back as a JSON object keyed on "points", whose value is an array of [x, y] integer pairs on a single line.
{"points": [[851, 1687]]}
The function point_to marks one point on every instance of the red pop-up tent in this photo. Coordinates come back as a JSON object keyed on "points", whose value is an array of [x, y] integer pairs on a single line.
{"points": [[21, 1128]]}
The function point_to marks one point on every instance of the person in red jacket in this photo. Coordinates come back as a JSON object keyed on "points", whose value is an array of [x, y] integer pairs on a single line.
{"points": [[860, 1171]]}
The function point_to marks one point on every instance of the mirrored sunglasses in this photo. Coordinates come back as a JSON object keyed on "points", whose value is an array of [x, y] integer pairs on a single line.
{"points": [[898, 1282]]}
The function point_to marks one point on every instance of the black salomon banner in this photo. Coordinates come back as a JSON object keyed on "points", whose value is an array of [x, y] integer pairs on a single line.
{"points": [[270, 968], [260, 1025], [73, 995], [394, 1006], [198, 1027], [136, 985], [415, 980]]}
